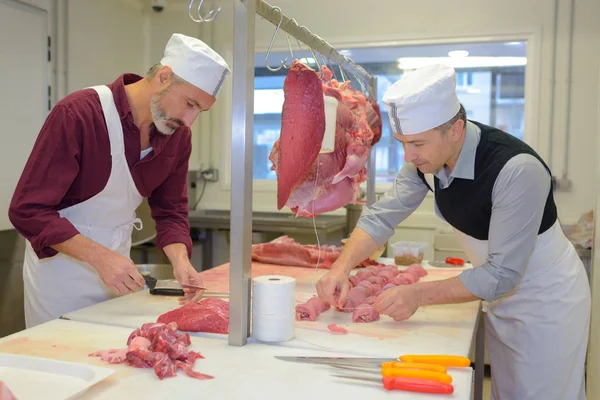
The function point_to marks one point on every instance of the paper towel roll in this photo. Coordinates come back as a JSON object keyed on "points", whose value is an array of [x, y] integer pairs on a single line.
{"points": [[273, 308], [331, 105]]}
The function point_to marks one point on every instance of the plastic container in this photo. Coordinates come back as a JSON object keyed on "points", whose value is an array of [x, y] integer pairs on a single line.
{"points": [[407, 253]]}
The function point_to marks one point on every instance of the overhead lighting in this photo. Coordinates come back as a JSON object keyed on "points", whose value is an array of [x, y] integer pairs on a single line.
{"points": [[307, 60], [408, 63], [458, 53], [346, 52], [513, 43]]}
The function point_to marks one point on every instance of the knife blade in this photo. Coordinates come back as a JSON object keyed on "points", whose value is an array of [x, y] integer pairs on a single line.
{"points": [[335, 360]]}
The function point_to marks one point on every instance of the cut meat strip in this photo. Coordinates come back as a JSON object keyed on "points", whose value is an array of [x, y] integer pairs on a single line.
{"points": [[158, 346], [365, 313], [209, 315], [337, 329], [310, 310], [286, 251]]}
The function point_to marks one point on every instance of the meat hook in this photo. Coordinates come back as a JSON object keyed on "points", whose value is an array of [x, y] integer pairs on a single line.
{"points": [[209, 17], [282, 63]]}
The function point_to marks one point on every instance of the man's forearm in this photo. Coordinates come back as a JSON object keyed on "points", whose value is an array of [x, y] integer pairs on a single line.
{"points": [[176, 252], [360, 245], [81, 248], [447, 291]]}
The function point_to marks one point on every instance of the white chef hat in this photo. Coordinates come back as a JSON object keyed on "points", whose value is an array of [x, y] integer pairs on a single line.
{"points": [[422, 99], [197, 63]]}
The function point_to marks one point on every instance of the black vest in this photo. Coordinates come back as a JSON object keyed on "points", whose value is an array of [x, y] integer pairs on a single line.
{"points": [[467, 204]]}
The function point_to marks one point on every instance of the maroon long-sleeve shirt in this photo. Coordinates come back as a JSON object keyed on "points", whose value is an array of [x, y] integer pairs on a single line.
{"points": [[70, 162]]}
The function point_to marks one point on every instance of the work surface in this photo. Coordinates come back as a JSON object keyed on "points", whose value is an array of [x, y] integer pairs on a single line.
{"points": [[443, 329], [248, 372]]}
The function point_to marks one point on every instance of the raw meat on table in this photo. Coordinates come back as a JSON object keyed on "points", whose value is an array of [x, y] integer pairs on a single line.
{"points": [[310, 310], [209, 315], [365, 313], [337, 329], [158, 346], [286, 251], [5, 393], [295, 155]]}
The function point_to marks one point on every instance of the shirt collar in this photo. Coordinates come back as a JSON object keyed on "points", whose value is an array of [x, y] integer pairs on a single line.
{"points": [[465, 165], [121, 101]]}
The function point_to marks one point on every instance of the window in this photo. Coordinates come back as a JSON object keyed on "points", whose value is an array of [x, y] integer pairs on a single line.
{"points": [[490, 83]]}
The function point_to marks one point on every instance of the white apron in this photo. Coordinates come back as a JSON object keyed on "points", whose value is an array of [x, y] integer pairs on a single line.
{"points": [[61, 284], [537, 335]]}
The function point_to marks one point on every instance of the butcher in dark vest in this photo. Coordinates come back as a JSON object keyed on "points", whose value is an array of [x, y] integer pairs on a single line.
{"points": [[496, 193]]}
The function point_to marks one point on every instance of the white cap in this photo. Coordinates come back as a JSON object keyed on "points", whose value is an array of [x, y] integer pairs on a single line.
{"points": [[422, 99], [197, 63]]}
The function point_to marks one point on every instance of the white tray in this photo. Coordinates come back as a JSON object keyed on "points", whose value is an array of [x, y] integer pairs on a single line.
{"points": [[41, 378]]}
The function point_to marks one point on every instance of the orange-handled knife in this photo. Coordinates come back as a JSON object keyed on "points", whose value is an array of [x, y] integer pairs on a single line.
{"points": [[417, 374], [412, 365], [448, 361]]}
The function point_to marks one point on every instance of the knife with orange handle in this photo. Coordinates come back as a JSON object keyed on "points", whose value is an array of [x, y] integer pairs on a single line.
{"points": [[448, 361], [413, 365], [436, 376], [407, 384]]}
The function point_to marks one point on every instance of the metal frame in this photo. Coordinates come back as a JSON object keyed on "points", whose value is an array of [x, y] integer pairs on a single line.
{"points": [[242, 146]]}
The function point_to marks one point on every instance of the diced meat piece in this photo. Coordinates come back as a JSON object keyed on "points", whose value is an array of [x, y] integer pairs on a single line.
{"points": [[373, 268], [5, 393], [113, 356], [364, 274], [310, 310], [365, 313], [353, 280], [417, 269], [372, 287], [399, 280], [370, 300], [409, 277], [388, 286], [378, 280], [209, 315], [337, 329], [388, 274], [158, 346], [356, 296]]}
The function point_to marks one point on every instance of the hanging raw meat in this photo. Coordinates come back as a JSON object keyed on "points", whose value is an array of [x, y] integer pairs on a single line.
{"points": [[310, 183]]}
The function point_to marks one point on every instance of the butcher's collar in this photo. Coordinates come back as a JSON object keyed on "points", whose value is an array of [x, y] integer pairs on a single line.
{"points": [[465, 164]]}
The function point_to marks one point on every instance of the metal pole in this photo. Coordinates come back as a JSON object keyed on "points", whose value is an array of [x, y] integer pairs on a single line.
{"points": [[371, 172], [242, 131]]}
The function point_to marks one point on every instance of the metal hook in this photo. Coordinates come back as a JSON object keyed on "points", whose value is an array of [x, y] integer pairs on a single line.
{"points": [[209, 17], [291, 51], [282, 63], [308, 32]]}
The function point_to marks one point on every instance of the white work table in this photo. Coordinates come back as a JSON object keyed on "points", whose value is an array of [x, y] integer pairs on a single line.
{"points": [[444, 329], [248, 372]]}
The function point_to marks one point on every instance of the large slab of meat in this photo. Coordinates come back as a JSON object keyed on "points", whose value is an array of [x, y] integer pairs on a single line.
{"points": [[286, 251], [366, 284], [209, 315], [158, 346], [295, 155]]}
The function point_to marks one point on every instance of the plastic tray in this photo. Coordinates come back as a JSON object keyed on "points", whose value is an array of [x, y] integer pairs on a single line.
{"points": [[41, 378]]}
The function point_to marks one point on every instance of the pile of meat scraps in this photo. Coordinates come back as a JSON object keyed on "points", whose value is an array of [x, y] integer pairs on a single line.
{"points": [[367, 284], [209, 315], [286, 251], [295, 155], [158, 346]]}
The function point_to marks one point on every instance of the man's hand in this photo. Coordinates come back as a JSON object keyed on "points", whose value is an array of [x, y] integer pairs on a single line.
{"points": [[400, 303], [118, 272], [333, 288], [186, 274]]}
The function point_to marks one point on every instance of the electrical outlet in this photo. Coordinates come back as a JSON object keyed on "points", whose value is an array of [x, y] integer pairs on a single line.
{"points": [[210, 175], [561, 184]]}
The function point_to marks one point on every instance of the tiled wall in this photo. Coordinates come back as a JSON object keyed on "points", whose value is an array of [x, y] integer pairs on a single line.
{"points": [[12, 317]]}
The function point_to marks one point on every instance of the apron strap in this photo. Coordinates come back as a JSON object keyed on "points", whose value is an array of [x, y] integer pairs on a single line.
{"points": [[113, 121]]}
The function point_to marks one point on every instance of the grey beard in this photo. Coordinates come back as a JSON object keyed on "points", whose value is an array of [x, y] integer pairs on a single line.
{"points": [[159, 117]]}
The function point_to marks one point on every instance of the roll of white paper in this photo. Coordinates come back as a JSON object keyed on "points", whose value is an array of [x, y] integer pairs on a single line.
{"points": [[331, 105], [273, 308]]}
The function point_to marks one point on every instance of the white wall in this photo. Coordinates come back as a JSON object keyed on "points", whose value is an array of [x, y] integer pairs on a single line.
{"points": [[346, 25]]}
